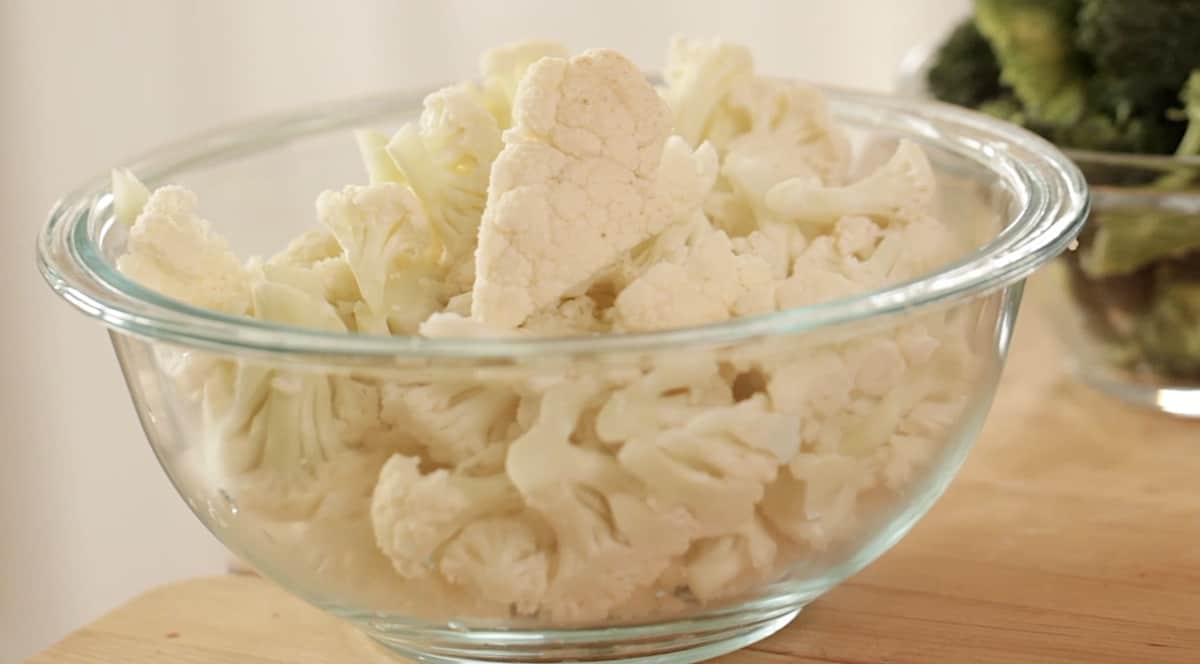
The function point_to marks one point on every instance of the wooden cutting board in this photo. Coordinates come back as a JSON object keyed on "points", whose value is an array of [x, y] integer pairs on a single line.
{"points": [[1072, 535]]}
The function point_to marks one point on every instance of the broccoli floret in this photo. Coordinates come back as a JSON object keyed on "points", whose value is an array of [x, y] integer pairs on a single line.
{"points": [[1189, 146], [1168, 335], [1146, 48], [1034, 43], [965, 71]]}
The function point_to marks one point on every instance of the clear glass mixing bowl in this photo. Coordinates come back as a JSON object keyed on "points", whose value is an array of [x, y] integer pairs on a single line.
{"points": [[887, 389]]}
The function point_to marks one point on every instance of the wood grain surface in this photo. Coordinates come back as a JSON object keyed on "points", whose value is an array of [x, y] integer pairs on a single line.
{"points": [[1072, 535]]}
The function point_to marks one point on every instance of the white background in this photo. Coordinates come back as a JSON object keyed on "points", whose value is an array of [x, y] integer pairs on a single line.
{"points": [[87, 519]]}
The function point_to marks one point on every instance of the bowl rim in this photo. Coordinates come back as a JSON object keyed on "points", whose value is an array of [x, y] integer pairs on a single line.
{"points": [[1048, 188]]}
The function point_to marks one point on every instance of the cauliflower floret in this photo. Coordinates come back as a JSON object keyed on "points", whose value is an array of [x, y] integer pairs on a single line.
{"points": [[446, 159], [902, 191], [577, 185], [414, 515], [609, 540], [676, 390], [452, 421], [790, 133], [575, 316], [699, 74], [712, 284], [767, 130], [814, 500], [289, 444], [372, 148], [172, 250], [671, 245], [501, 558], [777, 244], [314, 263], [504, 67], [856, 237], [129, 196], [716, 567], [388, 245], [716, 465]]}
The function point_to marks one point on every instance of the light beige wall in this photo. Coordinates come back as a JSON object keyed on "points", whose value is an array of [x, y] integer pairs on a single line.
{"points": [[86, 517]]}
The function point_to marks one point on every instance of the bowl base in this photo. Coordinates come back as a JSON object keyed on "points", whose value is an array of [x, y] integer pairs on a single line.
{"points": [[1180, 400], [675, 642]]}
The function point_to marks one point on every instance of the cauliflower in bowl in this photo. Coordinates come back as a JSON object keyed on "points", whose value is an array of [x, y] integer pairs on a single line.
{"points": [[566, 196]]}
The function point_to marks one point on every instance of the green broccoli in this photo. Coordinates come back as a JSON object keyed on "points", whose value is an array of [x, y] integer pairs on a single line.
{"points": [[1126, 240], [1033, 41], [1168, 334], [965, 71], [1145, 48], [1105, 75], [1189, 146]]}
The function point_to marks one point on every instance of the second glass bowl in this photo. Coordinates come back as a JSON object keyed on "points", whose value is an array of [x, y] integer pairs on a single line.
{"points": [[1126, 302]]}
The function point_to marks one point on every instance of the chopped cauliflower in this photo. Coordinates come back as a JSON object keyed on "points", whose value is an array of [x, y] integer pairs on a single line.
{"points": [[899, 192], [446, 158], [504, 67], [711, 284], [174, 251], [578, 183], [388, 244], [452, 422], [416, 514], [609, 539], [289, 444], [699, 74], [716, 465], [559, 197], [129, 196]]}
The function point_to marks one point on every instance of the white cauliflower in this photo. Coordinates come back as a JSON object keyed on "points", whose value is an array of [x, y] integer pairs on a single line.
{"points": [[719, 566], [814, 501], [129, 196], [699, 74], [902, 191], [609, 541], [289, 444], [315, 264], [790, 133], [372, 148], [172, 250], [446, 159], [452, 421], [578, 184], [388, 244], [615, 488], [504, 67], [716, 465], [501, 558], [767, 130], [711, 284], [673, 392], [414, 514]]}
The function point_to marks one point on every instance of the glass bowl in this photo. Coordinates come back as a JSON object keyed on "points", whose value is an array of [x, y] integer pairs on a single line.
{"points": [[1126, 304], [634, 517]]}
